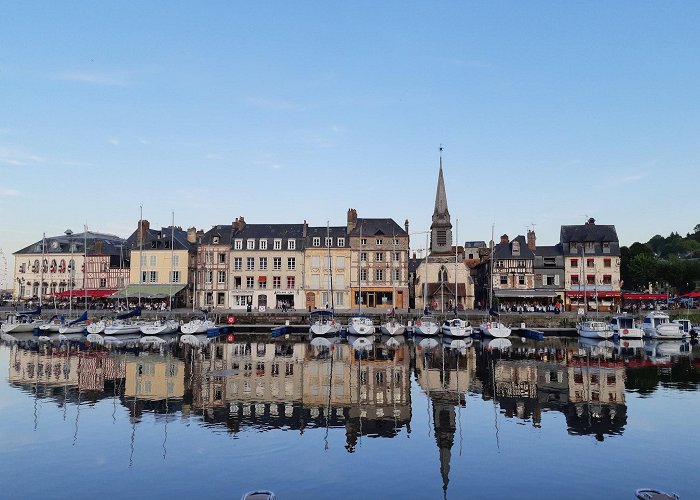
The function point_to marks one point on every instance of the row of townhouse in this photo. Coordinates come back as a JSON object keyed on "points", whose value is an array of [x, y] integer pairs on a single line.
{"points": [[583, 269], [233, 266]]}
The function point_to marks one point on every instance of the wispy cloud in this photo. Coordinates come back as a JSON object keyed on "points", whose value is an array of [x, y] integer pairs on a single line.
{"points": [[95, 78], [113, 141], [17, 158]]}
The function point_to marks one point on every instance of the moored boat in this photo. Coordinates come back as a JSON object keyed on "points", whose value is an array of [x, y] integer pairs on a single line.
{"points": [[456, 327], [625, 326], [392, 326], [658, 325], [160, 327], [426, 325], [197, 325], [592, 329], [494, 329], [360, 324], [323, 322]]}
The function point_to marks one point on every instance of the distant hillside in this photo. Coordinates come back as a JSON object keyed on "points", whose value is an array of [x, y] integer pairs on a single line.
{"points": [[671, 264]]}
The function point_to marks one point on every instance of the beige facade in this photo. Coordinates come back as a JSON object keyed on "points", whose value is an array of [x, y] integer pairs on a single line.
{"points": [[322, 262], [154, 377], [440, 270]]}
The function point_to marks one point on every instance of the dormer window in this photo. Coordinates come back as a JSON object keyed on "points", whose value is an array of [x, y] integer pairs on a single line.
{"points": [[291, 244], [316, 241], [238, 245], [606, 247], [277, 244], [516, 248], [54, 245], [263, 244], [215, 240], [250, 245], [329, 242], [341, 242]]}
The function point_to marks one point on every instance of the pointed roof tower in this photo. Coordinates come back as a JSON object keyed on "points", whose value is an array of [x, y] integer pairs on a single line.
{"points": [[441, 228]]}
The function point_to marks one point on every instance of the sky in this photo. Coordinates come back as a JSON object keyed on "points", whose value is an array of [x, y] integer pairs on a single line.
{"points": [[548, 113]]}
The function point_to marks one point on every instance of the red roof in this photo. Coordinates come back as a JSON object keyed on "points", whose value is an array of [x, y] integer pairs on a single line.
{"points": [[93, 294]]}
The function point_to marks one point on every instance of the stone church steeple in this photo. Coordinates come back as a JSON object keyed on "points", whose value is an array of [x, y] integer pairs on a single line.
{"points": [[441, 228]]}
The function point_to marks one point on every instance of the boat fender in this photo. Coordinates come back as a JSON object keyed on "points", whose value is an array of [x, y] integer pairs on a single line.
{"points": [[488, 326], [87, 322], [418, 323], [231, 319], [625, 331], [230, 338]]}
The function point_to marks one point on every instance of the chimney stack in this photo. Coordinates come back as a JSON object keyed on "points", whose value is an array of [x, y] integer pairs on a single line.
{"points": [[352, 219], [192, 234], [305, 229], [531, 240], [591, 222], [143, 227], [504, 239]]}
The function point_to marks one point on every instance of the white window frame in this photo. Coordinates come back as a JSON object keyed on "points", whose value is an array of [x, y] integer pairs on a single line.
{"points": [[291, 263], [316, 241], [341, 242], [250, 244], [238, 244], [277, 244], [263, 263], [380, 241], [291, 244], [238, 263], [263, 244]]}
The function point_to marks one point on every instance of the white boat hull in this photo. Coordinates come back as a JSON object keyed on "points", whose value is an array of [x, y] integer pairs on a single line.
{"points": [[457, 331], [594, 330], [426, 328], [21, 327], [68, 329], [119, 328], [96, 327], [360, 326], [393, 328], [494, 329], [324, 328], [197, 326], [160, 328]]}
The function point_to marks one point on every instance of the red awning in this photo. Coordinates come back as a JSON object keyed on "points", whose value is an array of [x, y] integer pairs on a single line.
{"points": [[606, 294], [93, 294], [691, 295], [645, 296], [262, 278]]}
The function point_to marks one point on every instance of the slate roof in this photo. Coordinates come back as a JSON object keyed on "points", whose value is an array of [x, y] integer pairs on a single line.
{"points": [[413, 265], [505, 250], [550, 251], [322, 232], [225, 233], [159, 239], [372, 227], [61, 244], [588, 233], [474, 244], [258, 231]]}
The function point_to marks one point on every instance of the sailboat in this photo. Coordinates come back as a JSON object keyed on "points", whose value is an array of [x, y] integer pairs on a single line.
{"points": [[360, 324], [323, 321], [77, 325], [165, 326], [197, 325], [426, 325], [489, 327], [456, 327], [587, 328], [392, 326]]}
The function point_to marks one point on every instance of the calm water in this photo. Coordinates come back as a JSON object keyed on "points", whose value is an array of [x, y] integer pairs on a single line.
{"points": [[394, 419]]}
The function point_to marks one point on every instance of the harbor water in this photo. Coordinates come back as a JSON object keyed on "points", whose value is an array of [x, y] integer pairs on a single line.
{"points": [[341, 418]]}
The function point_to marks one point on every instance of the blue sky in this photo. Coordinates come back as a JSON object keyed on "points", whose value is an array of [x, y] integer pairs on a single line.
{"points": [[283, 111]]}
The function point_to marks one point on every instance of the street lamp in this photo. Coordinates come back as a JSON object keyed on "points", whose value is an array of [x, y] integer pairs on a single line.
{"points": [[69, 234]]}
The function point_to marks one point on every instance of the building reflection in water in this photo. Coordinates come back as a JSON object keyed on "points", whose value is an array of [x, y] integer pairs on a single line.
{"points": [[445, 373], [294, 385]]}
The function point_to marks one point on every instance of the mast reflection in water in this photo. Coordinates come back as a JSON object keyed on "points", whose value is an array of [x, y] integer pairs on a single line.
{"points": [[416, 417]]}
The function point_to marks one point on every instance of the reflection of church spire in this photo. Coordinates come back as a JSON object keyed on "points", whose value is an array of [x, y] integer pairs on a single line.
{"points": [[444, 421], [441, 228]]}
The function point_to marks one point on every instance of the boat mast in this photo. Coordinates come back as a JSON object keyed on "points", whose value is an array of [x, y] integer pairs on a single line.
{"points": [[85, 266], [330, 263], [41, 285], [140, 252], [425, 284], [583, 277], [359, 277], [493, 244], [393, 282], [456, 257], [172, 260]]}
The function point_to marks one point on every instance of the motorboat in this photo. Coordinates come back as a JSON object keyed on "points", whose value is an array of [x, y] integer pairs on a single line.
{"points": [[392, 326], [160, 327], [322, 322], [594, 329], [22, 322], [686, 326], [625, 327], [197, 325], [427, 326], [494, 329], [194, 340], [456, 327], [658, 325], [361, 325]]}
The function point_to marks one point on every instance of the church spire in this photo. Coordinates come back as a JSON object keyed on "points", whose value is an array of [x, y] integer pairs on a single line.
{"points": [[441, 228]]}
